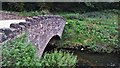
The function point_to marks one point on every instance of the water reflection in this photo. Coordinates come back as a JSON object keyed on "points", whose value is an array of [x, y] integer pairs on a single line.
{"points": [[97, 59], [93, 60]]}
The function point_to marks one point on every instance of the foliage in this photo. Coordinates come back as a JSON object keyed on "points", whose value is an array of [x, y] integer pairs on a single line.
{"points": [[18, 52], [31, 13], [13, 6], [97, 33], [59, 58], [27, 6], [61, 6]]}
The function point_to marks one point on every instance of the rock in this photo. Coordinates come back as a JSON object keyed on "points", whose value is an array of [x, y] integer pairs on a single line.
{"points": [[10, 15], [26, 24], [15, 32], [3, 37], [17, 26], [35, 18], [5, 30], [29, 19], [8, 32], [23, 27]]}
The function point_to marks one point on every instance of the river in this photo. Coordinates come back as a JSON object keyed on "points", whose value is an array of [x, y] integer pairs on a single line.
{"points": [[92, 59]]}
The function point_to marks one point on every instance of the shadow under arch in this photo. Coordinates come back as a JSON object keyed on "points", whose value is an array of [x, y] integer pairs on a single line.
{"points": [[51, 44]]}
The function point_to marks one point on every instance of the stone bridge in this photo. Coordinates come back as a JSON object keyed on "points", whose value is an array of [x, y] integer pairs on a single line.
{"points": [[40, 30]]}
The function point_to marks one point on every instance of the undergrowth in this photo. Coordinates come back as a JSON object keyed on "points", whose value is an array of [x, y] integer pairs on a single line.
{"points": [[96, 32], [31, 13], [18, 52]]}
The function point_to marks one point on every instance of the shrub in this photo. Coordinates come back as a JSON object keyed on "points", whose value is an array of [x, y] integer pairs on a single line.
{"points": [[18, 52], [31, 13], [59, 58], [15, 6]]}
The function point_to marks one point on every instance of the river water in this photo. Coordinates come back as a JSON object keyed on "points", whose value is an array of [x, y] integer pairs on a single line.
{"points": [[93, 60], [86, 58]]}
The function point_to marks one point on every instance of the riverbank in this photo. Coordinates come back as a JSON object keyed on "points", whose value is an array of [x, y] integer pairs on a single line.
{"points": [[90, 59], [91, 37], [94, 31]]}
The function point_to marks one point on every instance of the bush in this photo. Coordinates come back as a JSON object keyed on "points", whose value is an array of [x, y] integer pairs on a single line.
{"points": [[15, 6], [18, 52], [59, 58], [31, 13]]}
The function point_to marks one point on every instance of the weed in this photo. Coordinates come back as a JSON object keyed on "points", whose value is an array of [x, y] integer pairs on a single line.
{"points": [[18, 52]]}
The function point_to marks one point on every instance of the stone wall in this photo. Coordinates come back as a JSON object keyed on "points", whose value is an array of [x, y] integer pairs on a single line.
{"points": [[7, 15]]}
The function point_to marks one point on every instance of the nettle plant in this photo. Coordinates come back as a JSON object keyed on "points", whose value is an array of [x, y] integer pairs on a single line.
{"points": [[59, 58], [99, 35], [18, 52]]}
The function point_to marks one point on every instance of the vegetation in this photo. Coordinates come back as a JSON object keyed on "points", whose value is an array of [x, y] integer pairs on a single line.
{"points": [[19, 53], [96, 30], [88, 25], [59, 58], [31, 13], [59, 6]]}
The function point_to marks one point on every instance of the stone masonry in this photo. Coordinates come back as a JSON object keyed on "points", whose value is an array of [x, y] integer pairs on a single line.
{"points": [[40, 29]]}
